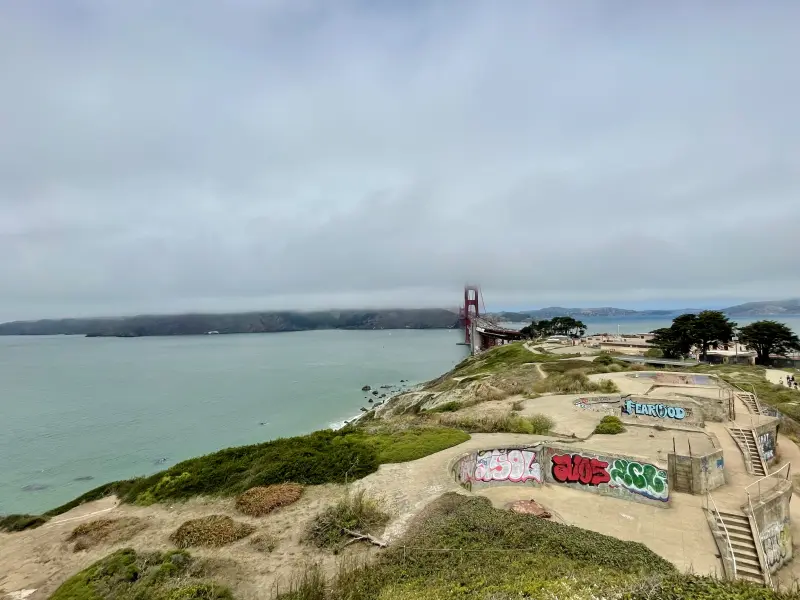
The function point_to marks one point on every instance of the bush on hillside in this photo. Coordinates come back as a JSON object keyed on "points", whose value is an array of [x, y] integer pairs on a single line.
{"points": [[604, 359], [128, 575], [91, 533], [211, 531], [574, 382], [495, 422], [355, 512], [259, 501], [13, 523]]}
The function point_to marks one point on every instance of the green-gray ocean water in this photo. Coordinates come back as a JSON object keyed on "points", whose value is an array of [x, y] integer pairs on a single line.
{"points": [[107, 408]]}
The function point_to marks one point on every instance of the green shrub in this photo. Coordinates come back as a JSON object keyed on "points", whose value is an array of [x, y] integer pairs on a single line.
{"points": [[609, 425], [541, 424], [126, 575], [654, 353], [12, 523], [355, 512], [604, 359]]}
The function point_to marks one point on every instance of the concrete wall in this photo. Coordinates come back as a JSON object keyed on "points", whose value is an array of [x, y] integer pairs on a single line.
{"points": [[499, 466], [648, 409], [767, 437], [771, 514], [625, 477], [696, 474]]}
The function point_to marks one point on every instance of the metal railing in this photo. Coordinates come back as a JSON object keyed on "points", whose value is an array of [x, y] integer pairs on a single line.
{"points": [[715, 512], [776, 475]]}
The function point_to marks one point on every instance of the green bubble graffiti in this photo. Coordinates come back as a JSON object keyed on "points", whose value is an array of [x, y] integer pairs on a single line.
{"points": [[642, 479]]}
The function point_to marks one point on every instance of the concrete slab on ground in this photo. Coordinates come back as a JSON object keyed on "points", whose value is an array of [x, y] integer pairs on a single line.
{"points": [[648, 442], [568, 419]]}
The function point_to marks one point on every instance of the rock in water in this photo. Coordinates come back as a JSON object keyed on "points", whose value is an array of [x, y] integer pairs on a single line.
{"points": [[366, 388]]}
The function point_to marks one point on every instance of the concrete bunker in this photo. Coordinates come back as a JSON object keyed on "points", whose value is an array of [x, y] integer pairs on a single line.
{"points": [[629, 478]]}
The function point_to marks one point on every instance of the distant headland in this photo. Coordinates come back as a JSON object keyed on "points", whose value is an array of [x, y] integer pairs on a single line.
{"points": [[749, 309], [286, 321], [253, 322]]}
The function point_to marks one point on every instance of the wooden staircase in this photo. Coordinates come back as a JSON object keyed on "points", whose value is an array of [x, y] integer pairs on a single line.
{"points": [[737, 527], [746, 440], [750, 401]]}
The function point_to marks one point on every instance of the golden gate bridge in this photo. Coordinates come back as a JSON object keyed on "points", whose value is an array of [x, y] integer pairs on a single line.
{"points": [[482, 332]]}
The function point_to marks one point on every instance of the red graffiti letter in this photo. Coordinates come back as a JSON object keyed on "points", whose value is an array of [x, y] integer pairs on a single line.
{"points": [[561, 467], [599, 472]]}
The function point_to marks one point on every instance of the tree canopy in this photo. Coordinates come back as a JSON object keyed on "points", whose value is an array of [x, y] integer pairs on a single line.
{"points": [[689, 330], [555, 326], [769, 337]]}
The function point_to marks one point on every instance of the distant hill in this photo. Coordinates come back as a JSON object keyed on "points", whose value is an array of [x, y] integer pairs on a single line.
{"points": [[750, 309], [766, 308], [254, 322]]}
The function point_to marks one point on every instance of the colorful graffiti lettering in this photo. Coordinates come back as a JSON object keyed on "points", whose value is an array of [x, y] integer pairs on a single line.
{"points": [[767, 446], [574, 468], [507, 465], [775, 540], [643, 479], [597, 404], [720, 463], [661, 411]]}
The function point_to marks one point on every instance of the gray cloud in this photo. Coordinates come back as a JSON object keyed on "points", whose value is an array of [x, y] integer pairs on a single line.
{"points": [[170, 156]]}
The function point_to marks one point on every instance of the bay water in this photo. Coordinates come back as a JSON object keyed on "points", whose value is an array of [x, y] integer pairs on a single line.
{"points": [[77, 412]]}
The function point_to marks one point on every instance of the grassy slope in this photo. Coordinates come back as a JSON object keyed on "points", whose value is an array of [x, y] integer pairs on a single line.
{"points": [[126, 575], [320, 457], [462, 548]]}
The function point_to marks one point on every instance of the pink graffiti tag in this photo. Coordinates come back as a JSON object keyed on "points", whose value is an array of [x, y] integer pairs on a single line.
{"points": [[507, 465]]}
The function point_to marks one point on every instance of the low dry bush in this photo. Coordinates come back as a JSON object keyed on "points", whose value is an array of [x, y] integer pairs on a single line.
{"points": [[212, 531], [574, 382], [90, 534], [264, 542], [355, 512], [494, 422], [259, 501]]}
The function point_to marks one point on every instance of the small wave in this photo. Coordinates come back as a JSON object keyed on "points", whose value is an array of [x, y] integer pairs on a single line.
{"points": [[336, 425]]}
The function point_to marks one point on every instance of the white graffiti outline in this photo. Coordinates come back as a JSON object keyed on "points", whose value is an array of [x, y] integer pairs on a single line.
{"points": [[517, 466]]}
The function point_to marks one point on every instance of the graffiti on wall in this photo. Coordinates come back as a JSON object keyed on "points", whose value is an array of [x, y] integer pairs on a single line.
{"points": [[574, 468], [640, 478], [597, 404], [776, 542], [661, 411], [466, 468], [720, 463], [507, 465], [654, 410], [767, 444]]}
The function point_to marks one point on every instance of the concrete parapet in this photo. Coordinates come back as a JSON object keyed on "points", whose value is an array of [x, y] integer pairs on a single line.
{"points": [[769, 512], [696, 474], [626, 477]]}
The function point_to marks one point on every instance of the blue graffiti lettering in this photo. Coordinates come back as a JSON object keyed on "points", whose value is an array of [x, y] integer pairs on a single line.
{"points": [[660, 411]]}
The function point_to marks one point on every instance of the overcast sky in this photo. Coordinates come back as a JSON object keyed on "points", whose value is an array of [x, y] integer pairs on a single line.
{"points": [[204, 155]]}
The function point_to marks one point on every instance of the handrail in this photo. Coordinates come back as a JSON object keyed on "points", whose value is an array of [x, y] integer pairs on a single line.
{"points": [[774, 475], [725, 528], [760, 541]]}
